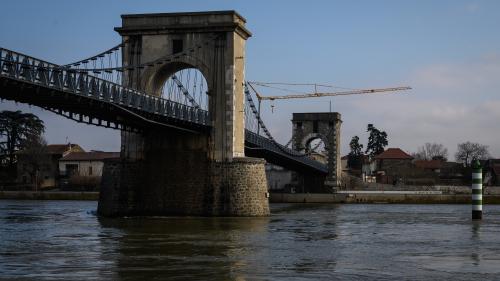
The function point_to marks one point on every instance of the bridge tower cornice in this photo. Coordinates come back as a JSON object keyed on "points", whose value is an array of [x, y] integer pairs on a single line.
{"points": [[189, 22]]}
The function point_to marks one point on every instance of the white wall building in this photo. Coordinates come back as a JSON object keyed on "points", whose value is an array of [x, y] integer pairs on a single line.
{"points": [[88, 164]]}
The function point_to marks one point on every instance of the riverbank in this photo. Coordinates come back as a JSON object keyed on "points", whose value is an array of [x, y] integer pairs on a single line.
{"points": [[380, 197], [349, 197], [49, 195]]}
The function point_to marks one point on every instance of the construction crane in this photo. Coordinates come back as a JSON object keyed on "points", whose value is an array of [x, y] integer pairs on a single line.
{"points": [[316, 94], [320, 94]]}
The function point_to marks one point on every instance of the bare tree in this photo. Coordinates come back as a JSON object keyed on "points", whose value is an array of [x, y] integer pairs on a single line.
{"points": [[468, 151], [430, 151]]}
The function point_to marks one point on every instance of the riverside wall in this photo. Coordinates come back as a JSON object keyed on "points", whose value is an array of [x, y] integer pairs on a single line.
{"points": [[391, 198], [49, 195]]}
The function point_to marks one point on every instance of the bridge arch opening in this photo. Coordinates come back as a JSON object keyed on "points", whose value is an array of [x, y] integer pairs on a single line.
{"points": [[187, 86], [183, 81], [316, 145], [314, 142]]}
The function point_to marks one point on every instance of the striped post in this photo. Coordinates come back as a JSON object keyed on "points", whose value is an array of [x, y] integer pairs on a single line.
{"points": [[477, 191]]}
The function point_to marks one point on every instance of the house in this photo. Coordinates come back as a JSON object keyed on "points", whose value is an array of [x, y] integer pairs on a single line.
{"points": [[392, 157], [84, 163], [83, 170], [344, 163], [368, 169], [491, 168], [356, 166], [392, 164], [42, 166], [429, 165], [452, 173]]}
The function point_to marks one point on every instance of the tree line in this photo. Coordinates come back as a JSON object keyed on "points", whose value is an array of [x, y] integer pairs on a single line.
{"points": [[466, 153]]}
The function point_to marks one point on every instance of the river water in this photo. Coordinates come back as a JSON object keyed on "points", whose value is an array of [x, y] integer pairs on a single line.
{"points": [[64, 240]]}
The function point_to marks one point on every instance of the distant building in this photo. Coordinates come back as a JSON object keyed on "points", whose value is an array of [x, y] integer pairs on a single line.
{"points": [[84, 163], [492, 172], [452, 173], [344, 163], [429, 165], [320, 157], [392, 164], [83, 170], [391, 158], [47, 164], [495, 175], [368, 170]]}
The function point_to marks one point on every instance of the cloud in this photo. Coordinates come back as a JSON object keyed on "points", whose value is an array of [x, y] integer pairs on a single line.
{"points": [[450, 103], [467, 79]]}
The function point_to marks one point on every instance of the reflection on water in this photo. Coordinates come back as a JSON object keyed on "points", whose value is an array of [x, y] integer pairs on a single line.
{"points": [[185, 248], [64, 240]]}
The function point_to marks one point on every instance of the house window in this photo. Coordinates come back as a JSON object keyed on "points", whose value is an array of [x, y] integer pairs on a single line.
{"points": [[90, 170], [330, 124], [299, 125], [176, 46], [315, 126]]}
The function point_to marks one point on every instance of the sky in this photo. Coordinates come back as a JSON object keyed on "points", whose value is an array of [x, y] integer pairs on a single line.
{"points": [[447, 51]]}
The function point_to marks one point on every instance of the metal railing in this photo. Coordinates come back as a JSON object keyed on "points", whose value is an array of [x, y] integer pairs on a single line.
{"points": [[34, 71], [271, 145]]}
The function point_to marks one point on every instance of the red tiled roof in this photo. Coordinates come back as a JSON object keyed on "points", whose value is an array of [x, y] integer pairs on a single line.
{"points": [[90, 156], [393, 153], [429, 164]]}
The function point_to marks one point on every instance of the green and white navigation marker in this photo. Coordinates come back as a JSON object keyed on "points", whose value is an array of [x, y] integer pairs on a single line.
{"points": [[477, 191]]}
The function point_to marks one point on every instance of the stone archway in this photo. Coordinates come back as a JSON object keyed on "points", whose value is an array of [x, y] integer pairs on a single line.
{"points": [[325, 126]]}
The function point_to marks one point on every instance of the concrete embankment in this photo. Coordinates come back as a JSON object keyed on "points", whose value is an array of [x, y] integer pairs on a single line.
{"points": [[49, 195], [381, 197]]}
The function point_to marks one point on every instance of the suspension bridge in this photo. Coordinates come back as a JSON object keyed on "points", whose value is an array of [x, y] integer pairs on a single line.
{"points": [[103, 101], [175, 88]]}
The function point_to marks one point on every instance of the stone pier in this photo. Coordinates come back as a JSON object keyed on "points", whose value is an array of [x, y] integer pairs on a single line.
{"points": [[176, 172]]}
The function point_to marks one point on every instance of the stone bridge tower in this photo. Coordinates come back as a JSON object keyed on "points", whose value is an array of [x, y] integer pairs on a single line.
{"points": [[325, 126], [174, 171]]}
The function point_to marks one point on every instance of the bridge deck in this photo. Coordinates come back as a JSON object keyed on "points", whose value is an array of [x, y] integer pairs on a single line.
{"points": [[85, 98]]}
